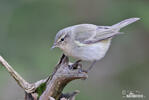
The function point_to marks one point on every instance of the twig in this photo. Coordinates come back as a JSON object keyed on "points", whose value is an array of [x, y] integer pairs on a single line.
{"points": [[29, 88]]}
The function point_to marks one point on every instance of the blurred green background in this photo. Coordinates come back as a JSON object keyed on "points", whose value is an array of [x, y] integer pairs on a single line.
{"points": [[28, 28]]}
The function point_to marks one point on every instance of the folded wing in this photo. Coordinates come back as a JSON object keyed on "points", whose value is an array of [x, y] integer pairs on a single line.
{"points": [[89, 33]]}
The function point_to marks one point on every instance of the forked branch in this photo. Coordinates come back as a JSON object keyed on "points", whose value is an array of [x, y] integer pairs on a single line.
{"points": [[29, 88], [51, 87]]}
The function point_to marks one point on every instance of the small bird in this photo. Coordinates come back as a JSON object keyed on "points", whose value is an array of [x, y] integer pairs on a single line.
{"points": [[88, 42]]}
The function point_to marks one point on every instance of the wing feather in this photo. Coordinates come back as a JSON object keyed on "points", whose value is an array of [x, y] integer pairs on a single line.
{"points": [[102, 35], [89, 33], [84, 32]]}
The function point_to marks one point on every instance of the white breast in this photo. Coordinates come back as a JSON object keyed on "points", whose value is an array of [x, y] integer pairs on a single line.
{"points": [[91, 52]]}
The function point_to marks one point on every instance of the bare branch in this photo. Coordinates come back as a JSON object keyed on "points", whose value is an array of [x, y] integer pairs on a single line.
{"points": [[29, 88], [61, 77], [24, 84], [50, 88]]}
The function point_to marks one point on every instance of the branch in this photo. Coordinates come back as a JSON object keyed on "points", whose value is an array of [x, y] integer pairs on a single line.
{"points": [[50, 88], [60, 78], [29, 88]]}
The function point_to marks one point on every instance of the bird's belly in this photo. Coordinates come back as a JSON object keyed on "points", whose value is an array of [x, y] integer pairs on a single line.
{"points": [[91, 52]]}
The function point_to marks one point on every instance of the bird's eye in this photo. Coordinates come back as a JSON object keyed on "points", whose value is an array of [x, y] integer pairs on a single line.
{"points": [[62, 39]]}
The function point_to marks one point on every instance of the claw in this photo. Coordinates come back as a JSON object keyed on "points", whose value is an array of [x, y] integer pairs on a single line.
{"points": [[75, 65], [83, 70]]}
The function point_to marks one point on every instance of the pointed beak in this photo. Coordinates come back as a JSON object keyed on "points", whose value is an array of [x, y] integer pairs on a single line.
{"points": [[54, 45]]}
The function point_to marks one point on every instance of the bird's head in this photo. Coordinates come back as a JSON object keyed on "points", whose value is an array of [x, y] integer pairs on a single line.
{"points": [[62, 39]]}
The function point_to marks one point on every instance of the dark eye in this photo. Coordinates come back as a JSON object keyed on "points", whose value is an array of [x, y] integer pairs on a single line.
{"points": [[62, 39]]}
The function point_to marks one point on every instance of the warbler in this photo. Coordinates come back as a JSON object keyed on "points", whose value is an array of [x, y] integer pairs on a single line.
{"points": [[88, 42]]}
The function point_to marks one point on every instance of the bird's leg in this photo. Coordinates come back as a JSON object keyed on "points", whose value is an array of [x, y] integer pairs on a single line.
{"points": [[76, 64], [91, 66]]}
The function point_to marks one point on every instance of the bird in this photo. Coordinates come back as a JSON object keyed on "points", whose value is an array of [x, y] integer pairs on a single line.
{"points": [[88, 42]]}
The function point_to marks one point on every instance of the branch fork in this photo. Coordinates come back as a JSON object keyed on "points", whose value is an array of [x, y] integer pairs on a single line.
{"points": [[50, 88]]}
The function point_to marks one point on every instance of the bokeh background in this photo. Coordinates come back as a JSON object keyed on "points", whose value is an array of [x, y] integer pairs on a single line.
{"points": [[28, 28]]}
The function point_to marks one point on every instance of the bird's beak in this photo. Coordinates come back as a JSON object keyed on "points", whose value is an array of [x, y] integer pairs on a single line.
{"points": [[54, 45]]}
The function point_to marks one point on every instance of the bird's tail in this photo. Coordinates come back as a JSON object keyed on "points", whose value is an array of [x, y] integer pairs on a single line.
{"points": [[124, 23]]}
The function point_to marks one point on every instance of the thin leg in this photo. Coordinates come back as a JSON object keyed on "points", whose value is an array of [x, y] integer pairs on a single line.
{"points": [[92, 65]]}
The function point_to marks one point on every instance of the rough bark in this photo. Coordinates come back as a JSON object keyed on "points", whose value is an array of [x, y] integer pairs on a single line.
{"points": [[49, 88]]}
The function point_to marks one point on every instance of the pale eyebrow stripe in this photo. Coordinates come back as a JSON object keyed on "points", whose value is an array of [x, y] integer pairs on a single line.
{"points": [[62, 36]]}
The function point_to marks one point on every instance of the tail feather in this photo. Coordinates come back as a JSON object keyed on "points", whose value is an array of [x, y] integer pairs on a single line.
{"points": [[124, 23]]}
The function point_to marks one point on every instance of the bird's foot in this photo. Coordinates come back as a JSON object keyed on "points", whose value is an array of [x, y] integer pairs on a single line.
{"points": [[83, 70], [75, 65]]}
